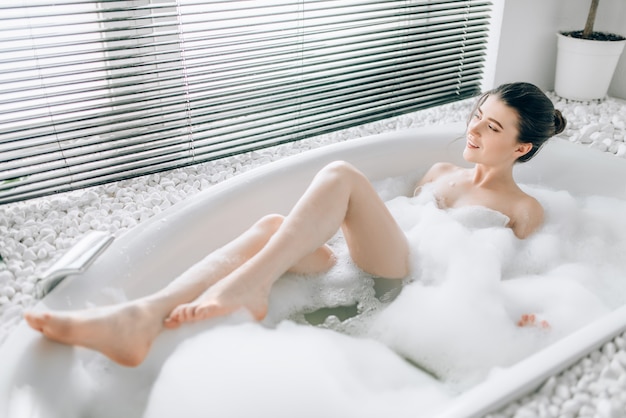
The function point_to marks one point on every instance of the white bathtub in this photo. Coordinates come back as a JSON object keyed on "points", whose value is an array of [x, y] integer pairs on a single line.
{"points": [[34, 371]]}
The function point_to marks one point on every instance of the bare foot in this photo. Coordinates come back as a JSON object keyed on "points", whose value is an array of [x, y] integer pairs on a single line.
{"points": [[530, 320], [223, 298], [124, 333]]}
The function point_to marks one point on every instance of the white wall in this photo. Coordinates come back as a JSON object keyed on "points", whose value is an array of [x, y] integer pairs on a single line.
{"points": [[526, 47]]}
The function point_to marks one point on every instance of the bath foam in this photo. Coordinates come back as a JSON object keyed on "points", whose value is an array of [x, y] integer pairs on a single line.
{"points": [[458, 318], [455, 319], [248, 370], [457, 315]]}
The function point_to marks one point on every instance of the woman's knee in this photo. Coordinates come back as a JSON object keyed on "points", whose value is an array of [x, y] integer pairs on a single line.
{"points": [[319, 261], [341, 172], [269, 224], [340, 168]]}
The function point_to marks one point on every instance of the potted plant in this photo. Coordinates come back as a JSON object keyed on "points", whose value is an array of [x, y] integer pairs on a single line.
{"points": [[586, 60]]}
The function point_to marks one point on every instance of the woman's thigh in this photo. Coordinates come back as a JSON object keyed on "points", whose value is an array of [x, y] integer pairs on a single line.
{"points": [[376, 243]]}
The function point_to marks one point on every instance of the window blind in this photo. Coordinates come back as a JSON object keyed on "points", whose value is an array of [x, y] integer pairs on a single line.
{"points": [[98, 91]]}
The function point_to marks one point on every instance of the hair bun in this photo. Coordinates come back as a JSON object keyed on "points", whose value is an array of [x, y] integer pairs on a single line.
{"points": [[559, 122]]}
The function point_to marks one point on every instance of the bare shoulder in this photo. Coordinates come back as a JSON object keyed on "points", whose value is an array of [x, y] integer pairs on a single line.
{"points": [[527, 216], [436, 171]]}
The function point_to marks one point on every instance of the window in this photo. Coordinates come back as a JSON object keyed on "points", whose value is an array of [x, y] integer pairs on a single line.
{"points": [[96, 91]]}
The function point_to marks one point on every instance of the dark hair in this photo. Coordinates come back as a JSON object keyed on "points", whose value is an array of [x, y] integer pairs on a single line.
{"points": [[538, 119]]}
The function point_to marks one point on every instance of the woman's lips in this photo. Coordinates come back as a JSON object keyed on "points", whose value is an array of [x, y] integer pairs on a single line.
{"points": [[470, 144]]}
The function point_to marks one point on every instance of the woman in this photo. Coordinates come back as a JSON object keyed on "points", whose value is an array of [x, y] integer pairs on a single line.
{"points": [[508, 125]]}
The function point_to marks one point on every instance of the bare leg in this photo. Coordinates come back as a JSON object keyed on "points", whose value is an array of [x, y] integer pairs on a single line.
{"points": [[240, 274], [125, 332], [339, 196]]}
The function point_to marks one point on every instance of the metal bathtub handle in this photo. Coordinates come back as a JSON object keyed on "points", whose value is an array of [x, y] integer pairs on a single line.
{"points": [[75, 261]]}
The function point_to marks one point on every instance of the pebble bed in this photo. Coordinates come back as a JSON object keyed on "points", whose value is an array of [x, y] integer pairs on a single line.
{"points": [[34, 233]]}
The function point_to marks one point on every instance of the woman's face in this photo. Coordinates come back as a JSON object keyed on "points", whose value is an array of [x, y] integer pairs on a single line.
{"points": [[492, 135]]}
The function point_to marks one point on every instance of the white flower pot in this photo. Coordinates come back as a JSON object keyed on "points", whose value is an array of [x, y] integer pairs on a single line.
{"points": [[584, 68]]}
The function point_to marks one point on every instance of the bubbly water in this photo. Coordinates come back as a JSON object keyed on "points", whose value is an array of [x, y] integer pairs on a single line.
{"points": [[454, 321]]}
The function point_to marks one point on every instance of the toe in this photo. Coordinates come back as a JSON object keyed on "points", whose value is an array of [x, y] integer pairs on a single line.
{"points": [[210, 310], [35, 321], [181, 314], [171, 323]]}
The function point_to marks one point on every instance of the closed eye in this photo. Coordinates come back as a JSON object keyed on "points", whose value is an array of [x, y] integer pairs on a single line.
{"points": [[494, 125]]}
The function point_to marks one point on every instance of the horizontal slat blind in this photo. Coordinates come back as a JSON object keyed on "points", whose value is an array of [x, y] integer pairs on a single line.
{"points": [[97, 91]]}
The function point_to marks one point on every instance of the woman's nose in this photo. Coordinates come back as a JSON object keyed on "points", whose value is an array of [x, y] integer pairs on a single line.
{"points": [[474, 128]]}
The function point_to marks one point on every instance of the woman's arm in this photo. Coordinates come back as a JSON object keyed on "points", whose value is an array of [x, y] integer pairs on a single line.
{"points": [[528, 217]]}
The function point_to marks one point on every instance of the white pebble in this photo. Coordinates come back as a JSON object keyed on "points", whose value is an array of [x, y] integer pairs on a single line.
{"points": [[129, 222], [617, 368], [7, 291], [595, 356], [5, 277], [586, 410], [542, 409], [571, 406], [607, 128], [25, 272], [525, 412], [607, 409], [609, 349], [217, 177], [598, 136], [580, 111], [548, 387], [166, 183], [599, 145], [42, 253], [173, 198], [621, 357], [577, 370], [618, 122], [562, 392], [614, 391], [609, 373], [595, 388], [29, 254], [586, 131], [556, 400], [49, 238], [582, 397], [553, 410]]}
